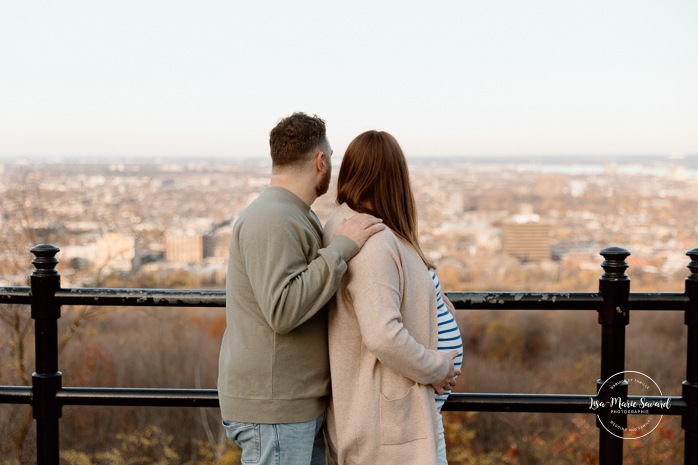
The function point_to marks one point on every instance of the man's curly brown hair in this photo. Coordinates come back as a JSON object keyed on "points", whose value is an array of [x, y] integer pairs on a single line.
{"points": [[295, 137]]}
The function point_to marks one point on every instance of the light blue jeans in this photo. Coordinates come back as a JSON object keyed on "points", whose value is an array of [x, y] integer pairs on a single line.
{"points": [[280, 443], [441, 449]]}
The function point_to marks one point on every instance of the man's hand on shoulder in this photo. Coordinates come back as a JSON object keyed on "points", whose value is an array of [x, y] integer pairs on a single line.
{"points": [[360, 227]]}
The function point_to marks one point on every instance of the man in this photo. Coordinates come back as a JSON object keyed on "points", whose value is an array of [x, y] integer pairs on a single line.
{"points": [[273, 377]]}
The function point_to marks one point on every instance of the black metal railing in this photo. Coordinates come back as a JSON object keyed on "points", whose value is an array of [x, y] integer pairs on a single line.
{"points": [[613, 302]]}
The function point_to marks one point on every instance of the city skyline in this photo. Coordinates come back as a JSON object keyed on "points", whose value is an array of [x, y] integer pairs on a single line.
{"points": [[168, 216], [457, 78]]}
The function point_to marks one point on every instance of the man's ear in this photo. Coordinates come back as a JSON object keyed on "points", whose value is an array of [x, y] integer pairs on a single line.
{"points": [[320, 162]]}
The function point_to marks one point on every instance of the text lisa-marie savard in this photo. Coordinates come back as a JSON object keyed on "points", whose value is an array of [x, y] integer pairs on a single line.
{"points": [[629, 406]]}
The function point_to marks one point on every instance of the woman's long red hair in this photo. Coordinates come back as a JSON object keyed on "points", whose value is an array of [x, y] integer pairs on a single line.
{"points": [[374, 178]]}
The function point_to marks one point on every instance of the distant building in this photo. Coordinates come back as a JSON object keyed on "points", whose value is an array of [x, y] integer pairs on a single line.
{"points": [[184, 248], [578, 188], [195, 245], [527, 239], [115, 252], [550, 185], [216, 245]]}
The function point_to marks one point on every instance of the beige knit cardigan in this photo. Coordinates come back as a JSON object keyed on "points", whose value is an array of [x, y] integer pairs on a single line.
{"points": [[383, 358]]}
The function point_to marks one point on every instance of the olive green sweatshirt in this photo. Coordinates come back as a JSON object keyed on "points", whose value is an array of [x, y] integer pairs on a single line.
{"points": [[273, 365]]}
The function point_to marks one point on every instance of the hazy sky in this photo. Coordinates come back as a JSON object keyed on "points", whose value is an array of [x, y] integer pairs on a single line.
{"points": [[156, 77]]}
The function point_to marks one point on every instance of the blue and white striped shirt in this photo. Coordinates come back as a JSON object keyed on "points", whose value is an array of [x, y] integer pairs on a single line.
{"points": [[449, 335]]}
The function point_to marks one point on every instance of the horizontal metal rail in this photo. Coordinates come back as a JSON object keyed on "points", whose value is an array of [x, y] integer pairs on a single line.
{"points": [[548, 403], [128, 297], [457, 401]]}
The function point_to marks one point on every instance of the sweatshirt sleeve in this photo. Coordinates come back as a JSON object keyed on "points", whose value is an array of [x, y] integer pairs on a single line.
{"points": [[289, 284], [374, 291]]}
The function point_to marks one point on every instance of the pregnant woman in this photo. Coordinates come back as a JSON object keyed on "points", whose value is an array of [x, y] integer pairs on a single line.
{"points": [[383, 323]]}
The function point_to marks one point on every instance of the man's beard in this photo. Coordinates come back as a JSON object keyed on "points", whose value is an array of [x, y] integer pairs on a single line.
{"points": [[323, 186]]}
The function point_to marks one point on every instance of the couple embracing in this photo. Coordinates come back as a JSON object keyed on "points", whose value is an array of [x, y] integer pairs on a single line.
{"points": [[337, 339]]}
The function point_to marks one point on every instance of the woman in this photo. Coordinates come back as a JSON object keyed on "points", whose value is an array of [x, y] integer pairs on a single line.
{"points": [[383, 337]]}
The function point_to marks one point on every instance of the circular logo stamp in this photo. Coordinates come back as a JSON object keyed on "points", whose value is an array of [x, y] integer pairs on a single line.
{"points": [[629, 418]]}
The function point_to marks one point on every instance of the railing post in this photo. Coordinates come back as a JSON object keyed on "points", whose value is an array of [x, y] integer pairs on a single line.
{"points": [[46, 380], [614, 287], [689, 422]]}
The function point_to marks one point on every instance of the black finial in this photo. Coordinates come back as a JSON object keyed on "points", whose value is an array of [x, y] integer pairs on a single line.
{"points": [[693, 266], [614, 265], [45, 260]]}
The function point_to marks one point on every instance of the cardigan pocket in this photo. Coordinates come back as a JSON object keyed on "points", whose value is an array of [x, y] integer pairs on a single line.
{"points": [[404, 419]]}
